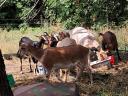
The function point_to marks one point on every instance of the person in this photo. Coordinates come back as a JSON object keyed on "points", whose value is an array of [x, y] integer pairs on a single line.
{"points": [[5, 89]]}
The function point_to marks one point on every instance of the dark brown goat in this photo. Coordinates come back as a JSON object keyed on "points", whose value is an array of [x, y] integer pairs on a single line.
{"points": [[61, 57], [22, 55], [51, 41], [109, 42]]}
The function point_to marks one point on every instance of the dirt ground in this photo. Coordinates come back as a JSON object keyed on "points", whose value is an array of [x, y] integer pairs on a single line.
{"points": [[108, 82]]}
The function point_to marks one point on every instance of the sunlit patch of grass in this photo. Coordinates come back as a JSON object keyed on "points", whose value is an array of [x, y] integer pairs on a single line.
{"points": [[121, 33], [57, 28], [9, 41]]}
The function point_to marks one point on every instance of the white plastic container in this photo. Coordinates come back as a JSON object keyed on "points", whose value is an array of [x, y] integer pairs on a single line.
{"points": [[42, 70], [99, 63]]}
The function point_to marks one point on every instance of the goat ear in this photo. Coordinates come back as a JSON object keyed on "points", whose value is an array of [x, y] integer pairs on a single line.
{"points": [[100, 34]]}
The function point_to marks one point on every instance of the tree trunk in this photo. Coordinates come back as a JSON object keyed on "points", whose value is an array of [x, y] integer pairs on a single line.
{"points": [[5, 89]]}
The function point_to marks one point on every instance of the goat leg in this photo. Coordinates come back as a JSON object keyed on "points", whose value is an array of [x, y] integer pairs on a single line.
{"points": [[37, 68], [66, 75], [61, 73], [57, 71], [79, 71], [117, 51], [48, 75], [36, 71], [30, 65], [90, 75], [21, 66]]}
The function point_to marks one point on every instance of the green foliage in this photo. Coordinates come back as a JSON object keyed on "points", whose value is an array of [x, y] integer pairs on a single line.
{"points": [[91, 12], [71, 13], [23, 27]]}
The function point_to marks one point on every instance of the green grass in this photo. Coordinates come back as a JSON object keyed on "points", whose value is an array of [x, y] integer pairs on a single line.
{"points": [[121, 34], [9, 40], [9, 44]]}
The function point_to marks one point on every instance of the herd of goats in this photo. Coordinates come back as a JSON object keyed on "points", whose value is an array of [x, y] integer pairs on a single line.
{"points": [[74, 49]]}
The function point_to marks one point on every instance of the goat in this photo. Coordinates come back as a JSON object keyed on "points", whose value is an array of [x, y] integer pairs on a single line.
{"points": [[84, 37], [22, 55], [50, 41], [109, 42], [65, 40], [60, 40], [54, 39], [59, 57]]}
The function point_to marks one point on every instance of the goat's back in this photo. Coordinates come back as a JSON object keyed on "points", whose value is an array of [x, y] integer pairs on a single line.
{"points": [[65, 55], [84, 37], [66, 42]]}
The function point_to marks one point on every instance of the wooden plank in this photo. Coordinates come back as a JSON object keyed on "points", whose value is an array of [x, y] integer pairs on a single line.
{"points": [[47, 89]]}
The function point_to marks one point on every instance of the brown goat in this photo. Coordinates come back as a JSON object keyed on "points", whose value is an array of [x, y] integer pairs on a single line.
{"points": [[21, 55], [65, 40], [109, 42], [61, 57]]}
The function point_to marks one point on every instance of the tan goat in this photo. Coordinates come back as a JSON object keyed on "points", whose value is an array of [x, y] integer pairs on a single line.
{"points": [[61, 57]]}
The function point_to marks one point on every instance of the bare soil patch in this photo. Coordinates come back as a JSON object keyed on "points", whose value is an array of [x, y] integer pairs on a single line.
{"points": [[109, 82]]}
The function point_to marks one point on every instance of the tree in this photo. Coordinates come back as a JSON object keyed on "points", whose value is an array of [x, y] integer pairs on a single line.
{"points": [[70, 13]]}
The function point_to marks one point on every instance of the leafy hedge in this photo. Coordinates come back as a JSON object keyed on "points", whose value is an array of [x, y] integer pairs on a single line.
{"points": [[91, 13]]}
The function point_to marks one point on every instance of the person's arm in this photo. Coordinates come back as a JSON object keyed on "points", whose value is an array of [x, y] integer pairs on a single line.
{"points": [[5, 89]]}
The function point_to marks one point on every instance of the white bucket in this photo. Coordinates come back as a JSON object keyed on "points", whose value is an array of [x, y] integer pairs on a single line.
{"points": [[42, 70]]}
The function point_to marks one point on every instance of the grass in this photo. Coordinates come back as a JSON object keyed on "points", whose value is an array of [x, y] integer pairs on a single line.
{"points": [[10, 40], [121, 34], [112, 85], [9, 44]]}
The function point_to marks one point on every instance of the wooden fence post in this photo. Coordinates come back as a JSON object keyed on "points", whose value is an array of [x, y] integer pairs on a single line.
{"points": [[5, 89]]}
